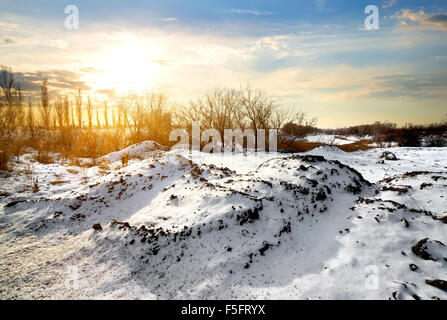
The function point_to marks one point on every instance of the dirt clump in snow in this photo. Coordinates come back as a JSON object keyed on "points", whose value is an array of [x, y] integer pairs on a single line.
{"points": [[429, 249]]}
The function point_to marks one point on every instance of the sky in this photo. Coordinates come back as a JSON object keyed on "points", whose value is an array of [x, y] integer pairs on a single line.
{"points": [[315, 56]]}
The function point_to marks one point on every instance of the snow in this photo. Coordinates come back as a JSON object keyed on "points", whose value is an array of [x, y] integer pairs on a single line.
{"points": [[181, 225], [139, 150], [334, 139]]}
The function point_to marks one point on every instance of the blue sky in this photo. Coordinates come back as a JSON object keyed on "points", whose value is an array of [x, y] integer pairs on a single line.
{"points": [[314, 55]]}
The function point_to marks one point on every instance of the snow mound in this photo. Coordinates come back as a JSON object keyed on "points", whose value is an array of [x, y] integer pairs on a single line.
{"points": [[387, 155], [326, 150], [333, 139], [215, 227], [407, 245], [251, 227], [182, 226], [140, 150]]}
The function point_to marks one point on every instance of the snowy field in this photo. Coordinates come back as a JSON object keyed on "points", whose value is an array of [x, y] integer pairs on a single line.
{"points": [[321, 225], [334, 139], [337, 140]]}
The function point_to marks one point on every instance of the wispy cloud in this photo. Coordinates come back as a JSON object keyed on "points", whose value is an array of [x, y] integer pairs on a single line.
{"points": [[15, 41], [170, 19], [276, 44], [254, 12], [58, 80], [6, 26], [162, 62], [390, 3], [421, 20], [320, 4], [410, 85]]}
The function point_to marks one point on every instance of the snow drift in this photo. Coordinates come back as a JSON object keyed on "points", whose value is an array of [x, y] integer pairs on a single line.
{"points": [[292, 227]]}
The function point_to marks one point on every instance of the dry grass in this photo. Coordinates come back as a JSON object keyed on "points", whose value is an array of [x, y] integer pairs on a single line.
{"points": [[89, 163], [304, 146], [4, 160], [72, 171], [125, 160], [356, 146], [74, 162], [43, 157], [57, 182]]}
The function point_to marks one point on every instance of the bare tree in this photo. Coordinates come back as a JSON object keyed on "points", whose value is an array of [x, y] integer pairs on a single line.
{"points": [[59, 108], [30, 121], [79, 108], [106, 115], [257, 108], [295, 126], [11, 93], [45, 110], [11, 114], [157, 122], [89, 113], [66, 112], [246, 108], [217, 110], [98, 122]]}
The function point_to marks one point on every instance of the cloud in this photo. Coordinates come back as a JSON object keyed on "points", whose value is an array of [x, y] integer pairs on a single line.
{"points": [[8, 41], [320, 4], [214, 54], [89, 70], [58, 43], [110, 93], [254, 12], [170, 19], [275, 44], [162, 62], [409, 85], [389, 3], [439, 18], [15, 41], [6, 26], [421, 20], [57, 80]]}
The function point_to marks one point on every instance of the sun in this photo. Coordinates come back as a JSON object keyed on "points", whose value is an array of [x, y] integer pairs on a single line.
{"points": [[127, 69]]}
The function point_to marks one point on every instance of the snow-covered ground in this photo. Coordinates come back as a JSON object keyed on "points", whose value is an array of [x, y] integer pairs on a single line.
{"points": [[321, 225], [338, 140], [334, 139]]}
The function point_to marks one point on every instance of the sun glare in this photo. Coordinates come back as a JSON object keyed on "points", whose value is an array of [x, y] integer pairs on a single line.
{"points": [[127, 69]]}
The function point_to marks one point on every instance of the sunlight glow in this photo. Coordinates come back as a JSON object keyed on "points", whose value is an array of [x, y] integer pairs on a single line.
{"points": [[125, 69]]}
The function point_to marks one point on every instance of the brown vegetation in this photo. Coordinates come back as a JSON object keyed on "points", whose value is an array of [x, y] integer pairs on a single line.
{"points": [[56, 124], [243, 108], [4, 160], [75, 127], [78, 127], [410, 135], [356, 146], [302, 146]]}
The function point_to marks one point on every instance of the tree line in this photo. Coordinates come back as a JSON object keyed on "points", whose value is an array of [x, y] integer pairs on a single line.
{"points": [[76, 126]]}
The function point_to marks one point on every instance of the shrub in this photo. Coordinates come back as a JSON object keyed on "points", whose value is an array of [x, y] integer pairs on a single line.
{"points": [[356, 146], [125, 159], [43, 157], [4, 160], [408, 137], [301, 146], [436, 141], [36, 187]]}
